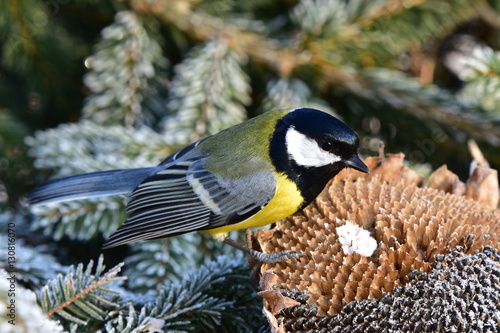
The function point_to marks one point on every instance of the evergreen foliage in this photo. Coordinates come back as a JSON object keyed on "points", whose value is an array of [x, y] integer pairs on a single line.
{"points": [[153, 263], [289, 92], [76, 219], [81, 296], [196, 303], [483, 79], [208, 93], [123, 63], [97, 85], [31, 265], [28, 317], [31, 262]]}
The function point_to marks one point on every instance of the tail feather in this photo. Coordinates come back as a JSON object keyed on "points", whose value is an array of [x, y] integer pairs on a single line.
{"points": [[102, 183]]}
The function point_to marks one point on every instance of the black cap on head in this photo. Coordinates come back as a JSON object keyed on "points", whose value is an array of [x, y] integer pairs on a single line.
{"points": [[311, 147], [321, 126], [314, 122]]}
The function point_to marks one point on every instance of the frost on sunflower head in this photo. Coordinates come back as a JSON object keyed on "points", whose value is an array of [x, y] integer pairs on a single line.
{"points": [[375, 241]]}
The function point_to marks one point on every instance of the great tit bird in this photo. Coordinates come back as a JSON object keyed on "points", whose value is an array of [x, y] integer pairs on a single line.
{"points": [[249, 175]]}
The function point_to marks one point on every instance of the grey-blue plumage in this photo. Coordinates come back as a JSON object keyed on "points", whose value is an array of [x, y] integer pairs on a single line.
{"points": [[102, 183]]}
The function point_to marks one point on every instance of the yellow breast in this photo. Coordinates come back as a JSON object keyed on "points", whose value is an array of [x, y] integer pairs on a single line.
{"points": [[286, 201]]}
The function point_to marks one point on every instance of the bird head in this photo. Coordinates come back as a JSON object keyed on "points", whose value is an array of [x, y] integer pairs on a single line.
{"points": [[311, 147]]}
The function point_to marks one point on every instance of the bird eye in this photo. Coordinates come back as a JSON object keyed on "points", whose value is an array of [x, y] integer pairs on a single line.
{"points": [[325, 144]]}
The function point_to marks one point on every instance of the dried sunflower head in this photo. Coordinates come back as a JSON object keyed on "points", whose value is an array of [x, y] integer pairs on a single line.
{"points": [[461, 293], [364, 235]]}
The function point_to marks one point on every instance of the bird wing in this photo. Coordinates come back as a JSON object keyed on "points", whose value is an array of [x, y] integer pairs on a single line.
{"points": [[185, 197]]}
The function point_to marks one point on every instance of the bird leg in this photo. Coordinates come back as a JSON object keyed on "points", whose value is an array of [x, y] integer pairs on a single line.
{"points": [[268, 258]]}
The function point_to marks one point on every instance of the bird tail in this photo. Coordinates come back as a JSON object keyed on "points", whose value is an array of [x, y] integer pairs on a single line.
{"points": [[95, 184]]}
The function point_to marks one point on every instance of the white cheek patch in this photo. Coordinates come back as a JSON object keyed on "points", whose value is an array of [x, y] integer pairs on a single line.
{"points": [[306, 152]]}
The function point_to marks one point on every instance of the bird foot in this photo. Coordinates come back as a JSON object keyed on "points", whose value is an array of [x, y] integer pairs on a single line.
{"points": [[268, 258], [272, 258]]}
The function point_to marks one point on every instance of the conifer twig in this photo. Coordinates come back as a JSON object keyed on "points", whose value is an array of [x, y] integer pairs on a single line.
{"points": [[85, 291]]}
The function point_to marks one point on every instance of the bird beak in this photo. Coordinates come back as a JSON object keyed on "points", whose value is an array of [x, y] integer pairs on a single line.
{"points": [[356, 163]]}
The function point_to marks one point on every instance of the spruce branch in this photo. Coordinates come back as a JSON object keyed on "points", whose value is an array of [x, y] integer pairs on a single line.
{"points": [[123, 64], [82, 219], [34, 266], [320, 18], [208, 93], [436, 105], [80, 297], [377, 11], [372, 27], [385, 28], [215, 296], [292, 93], [206, 297], [375, 33], [85, 147], [393, 28], [26, 316], [129, 321], [155, 262], [247, 39], [482, 77]]}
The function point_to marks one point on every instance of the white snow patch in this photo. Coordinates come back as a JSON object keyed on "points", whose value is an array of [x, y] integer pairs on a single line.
{"points": [[356, 239]]}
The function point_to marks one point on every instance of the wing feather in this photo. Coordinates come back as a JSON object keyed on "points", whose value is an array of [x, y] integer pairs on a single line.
{"points": [[185, 197], [151, 233], [144, 202], [172, 210], [238, 199], [158, 223]]}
